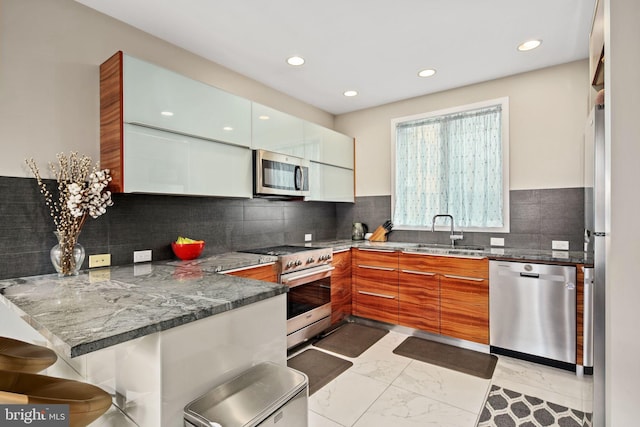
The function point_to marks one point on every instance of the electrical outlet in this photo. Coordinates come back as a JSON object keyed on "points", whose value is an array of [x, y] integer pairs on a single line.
{"points": [[559, 245], [308, 237], [142, 256], [497, 241], [99, 260]]}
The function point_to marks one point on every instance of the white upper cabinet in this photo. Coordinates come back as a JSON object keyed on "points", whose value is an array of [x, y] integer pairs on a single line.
{"points": [[330, 183], [328, 146], [157, 161], [276, 131], [160, 98]]}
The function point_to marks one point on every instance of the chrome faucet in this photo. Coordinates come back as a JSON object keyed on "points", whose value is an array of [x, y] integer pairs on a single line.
{"points": [[453, 236]]}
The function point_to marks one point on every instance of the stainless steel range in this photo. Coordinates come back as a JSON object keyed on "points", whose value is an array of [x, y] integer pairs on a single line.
{"points": [[307, 272]]}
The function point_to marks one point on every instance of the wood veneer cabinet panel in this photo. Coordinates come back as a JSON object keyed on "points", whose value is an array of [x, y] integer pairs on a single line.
{"points": [[464, 309], [266, 273], [111, 120], [375, 297], [419, 301], [419, 292], [378, 258], [376, 285], [341, 286]]}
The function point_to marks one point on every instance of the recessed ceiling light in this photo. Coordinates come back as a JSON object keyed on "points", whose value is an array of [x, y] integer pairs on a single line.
{"points": [[350, 93], [427, 72], [296, 61], [264, 117], [166, 113], [227, 128], [529, 45]]}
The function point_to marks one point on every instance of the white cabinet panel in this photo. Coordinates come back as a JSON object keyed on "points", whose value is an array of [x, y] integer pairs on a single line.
{"points": [[276, 131], [328, 146], [167, 163], [330, 183], [189, 106]]}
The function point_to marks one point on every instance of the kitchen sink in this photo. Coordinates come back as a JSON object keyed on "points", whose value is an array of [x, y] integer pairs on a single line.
{"points": [[448, 250]]}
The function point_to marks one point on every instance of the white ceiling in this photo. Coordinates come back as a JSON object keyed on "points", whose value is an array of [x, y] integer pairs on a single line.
{"points": [[373, 46]]}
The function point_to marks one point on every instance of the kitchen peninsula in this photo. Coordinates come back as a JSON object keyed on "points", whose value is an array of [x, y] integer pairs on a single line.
{"points": [[156, 336]]}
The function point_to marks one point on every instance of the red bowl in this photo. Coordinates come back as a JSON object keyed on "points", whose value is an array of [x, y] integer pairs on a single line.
{"points": [[187, 251]]}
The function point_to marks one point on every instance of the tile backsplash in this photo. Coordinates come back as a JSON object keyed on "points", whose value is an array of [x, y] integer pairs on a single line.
{"points": [[139, 221], [537, 218]]}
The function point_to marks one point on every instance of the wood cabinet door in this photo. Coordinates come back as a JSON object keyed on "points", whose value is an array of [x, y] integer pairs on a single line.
{"points": [[464, 308], [266, 273], [376, 285], [419, 300], [341, 286]]}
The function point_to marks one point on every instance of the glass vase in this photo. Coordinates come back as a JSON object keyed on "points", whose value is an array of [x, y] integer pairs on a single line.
{"points": [[68, 255]]}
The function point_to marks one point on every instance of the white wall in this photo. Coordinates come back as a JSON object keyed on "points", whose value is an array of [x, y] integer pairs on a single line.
{"points": [[548, 110], [50, 51], [622, 118]]}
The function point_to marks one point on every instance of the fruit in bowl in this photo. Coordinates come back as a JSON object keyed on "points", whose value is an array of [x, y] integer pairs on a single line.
{"points": [[186, 248]]}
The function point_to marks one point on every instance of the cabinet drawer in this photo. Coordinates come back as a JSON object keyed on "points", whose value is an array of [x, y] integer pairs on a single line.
{"points": [[374, 280], [445, 265], [267, 273], [418, 288], [376, 306], [420, 262], [377, 258]]}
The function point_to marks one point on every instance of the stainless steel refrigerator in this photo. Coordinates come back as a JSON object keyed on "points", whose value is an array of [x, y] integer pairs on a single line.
{"points": [[596, 202]]}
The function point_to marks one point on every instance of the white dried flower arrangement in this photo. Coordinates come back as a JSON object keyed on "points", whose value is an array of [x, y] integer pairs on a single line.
{"points": [[81, 193]]}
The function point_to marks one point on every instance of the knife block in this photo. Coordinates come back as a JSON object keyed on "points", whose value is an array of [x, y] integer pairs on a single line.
{"points": [[379, 235]]}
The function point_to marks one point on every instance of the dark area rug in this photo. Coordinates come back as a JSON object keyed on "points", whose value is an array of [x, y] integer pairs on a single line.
{"points": [[506, 408], [319, 366], [459, 359], [351, 340]]}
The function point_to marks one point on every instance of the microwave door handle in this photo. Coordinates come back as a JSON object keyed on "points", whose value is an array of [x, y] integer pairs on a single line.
{"points": [[298, 178]]}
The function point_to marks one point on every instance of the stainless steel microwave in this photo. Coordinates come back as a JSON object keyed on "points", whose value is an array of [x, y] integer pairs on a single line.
{"points": [[278, 174]]}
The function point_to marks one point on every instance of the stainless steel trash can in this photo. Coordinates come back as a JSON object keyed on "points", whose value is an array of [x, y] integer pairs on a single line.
{"points": [[266, 394]]}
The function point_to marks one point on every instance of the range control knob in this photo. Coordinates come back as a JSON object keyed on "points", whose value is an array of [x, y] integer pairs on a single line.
{"points": [[299, 262], [310, 260], [291, 264]]}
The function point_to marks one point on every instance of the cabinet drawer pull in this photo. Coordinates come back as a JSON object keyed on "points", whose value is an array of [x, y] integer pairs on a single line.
{"points": [[422, 273], [373, 294], [372, 267], [386, 251], [473, 279]]}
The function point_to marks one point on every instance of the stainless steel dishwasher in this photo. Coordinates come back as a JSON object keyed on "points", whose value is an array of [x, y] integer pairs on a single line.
{"points": [[532, 312]]}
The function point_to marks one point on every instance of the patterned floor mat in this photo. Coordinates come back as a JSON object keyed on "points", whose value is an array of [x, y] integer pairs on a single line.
{"points": [[507, 408]]}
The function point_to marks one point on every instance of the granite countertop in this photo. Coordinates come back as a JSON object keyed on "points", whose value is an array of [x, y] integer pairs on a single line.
{"points": [[104, 307], [494, 253]]}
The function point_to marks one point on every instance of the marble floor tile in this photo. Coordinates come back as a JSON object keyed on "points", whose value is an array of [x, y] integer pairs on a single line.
{"points": [[379, 362], [317, 420], [401, 408], [383, 389], [346, 398], [445, 385], [550, 384]]}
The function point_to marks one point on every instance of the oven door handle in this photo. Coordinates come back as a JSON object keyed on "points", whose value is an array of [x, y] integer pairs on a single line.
{"points": [[321, 273]]}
